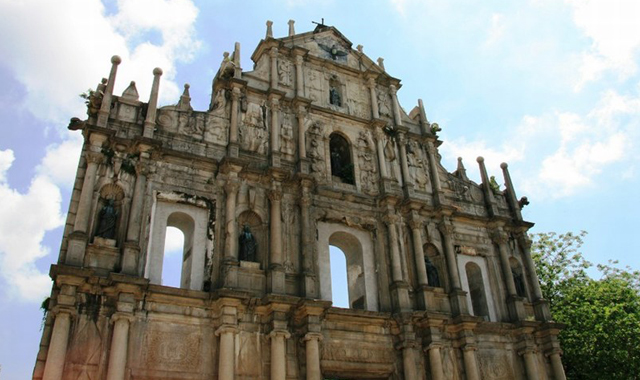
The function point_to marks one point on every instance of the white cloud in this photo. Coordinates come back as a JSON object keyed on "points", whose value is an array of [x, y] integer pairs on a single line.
{"points": [[24, 219], [61, 161], [496, 30], [58, 57], [613, 27], [173, 242]]}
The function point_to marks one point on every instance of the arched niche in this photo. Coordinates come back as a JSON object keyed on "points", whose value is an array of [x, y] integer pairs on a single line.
{"points": [[518, 277], [357, 247], [432, 255], [260, 232], [192, 221], [475, 281], [342, 168], [108, 215]]}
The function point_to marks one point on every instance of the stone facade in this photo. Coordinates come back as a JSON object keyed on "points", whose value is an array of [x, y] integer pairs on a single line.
{"points": [[309, 149]]}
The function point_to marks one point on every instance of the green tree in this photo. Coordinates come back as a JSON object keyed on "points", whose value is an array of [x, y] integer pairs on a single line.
{"points": [[602, 316]]}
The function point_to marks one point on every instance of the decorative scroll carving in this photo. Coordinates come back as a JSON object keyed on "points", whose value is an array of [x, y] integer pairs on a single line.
{"points": [[417, 165], [357, 353], [284, 72]]}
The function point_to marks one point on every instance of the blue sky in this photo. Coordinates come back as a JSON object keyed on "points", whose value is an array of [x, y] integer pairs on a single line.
{"points": [[550, 86]]}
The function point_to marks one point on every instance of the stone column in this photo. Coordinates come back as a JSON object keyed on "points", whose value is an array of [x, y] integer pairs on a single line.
{"points": [[306, 242], [132, 247], [275, 128], [233, 127], [470, 362], [105, 106], [435, 361], [375, 112], [431, 151], [447, 230], [299, 76], [313, 355], [227, 354], [273, 53], [409, 362], [57, 351], [275, 197], [396, 266], [418, 251], [530, 365], [381, 161], [302, 147], [119, 346], [500, 238], [150, 121], [424, 123], [231, 238], [556, 364], [278, 354], [541, 307], [86, 196], [394, 103], [406, 177]]}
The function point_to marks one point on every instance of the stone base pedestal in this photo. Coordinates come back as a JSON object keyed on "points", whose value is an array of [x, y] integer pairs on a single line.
{"points": [[233, 150], [76, 247], [409, 192], [541, 310], [310, 290], [276, 280], [430, 298], [400, 296], [275, 160], [230, 273], [103, 256], [458, 301], [304, 166], [516, 308], [130, 256]]}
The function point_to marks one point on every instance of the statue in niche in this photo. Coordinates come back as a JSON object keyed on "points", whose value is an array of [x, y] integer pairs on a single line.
{"points": [[417, 167], [286, 133], [334, 97], [519, 282], [284, 72], [432, 273], [107, 218], [367, 162], [383, 104], [248, 245], [315, 152]]}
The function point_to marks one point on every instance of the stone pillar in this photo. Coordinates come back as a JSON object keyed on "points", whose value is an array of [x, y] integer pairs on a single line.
{"points": [[132, 246], [278, 354], [57, 351], [435, 361], [233, 127], [119, 346], [424, 123], [86, 196], [269, 33], [409, 362], [375, 112], [381, 161], [418, 251], [273, 53], [302, 147], [396, 266], [275, 131], [150, 121], [514, 302], [406, 177], [299, 76], [292, 31], [227, 352], [447, 230], [306, 242], [556, 364], [394, 103], [313, 355], [470, 362], [511, 192], [231, 238], [530, 365], [277, 275], [105, 106]]}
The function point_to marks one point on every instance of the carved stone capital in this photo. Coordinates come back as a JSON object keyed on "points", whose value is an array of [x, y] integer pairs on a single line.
{"points": [[393, 90], [433, 346], [390, 219], [299, 60], [94, 157], [235, 93], [142, 168], [401, 138], [371, 82], [231, 187], [525, 240], [527, 350], [499, 236], [273, 53], [275, 195], [430, 148], [280, 333], [469, 347], [415, 224], [553, 351], [122, 316], [274, 103], [226, 328], [446, 228], [313, 336]]}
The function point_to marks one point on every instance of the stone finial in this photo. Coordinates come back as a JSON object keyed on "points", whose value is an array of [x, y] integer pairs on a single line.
{"points": [[116, 60], [184, 103], [381, 62], [292, 30], [461, 172], [131, 92], [237, 71], [150, 121], [105, 107], [269, 29], [359, 48]]}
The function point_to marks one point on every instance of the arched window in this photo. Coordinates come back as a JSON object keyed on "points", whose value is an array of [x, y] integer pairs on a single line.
{"points": [[172, 259], [186, 225], [476, 290], [341, 163], [339, 284]]}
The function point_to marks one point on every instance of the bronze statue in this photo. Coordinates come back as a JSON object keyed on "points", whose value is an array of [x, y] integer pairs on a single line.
{"points": [[248, 245], [107, 218], [432, 273]]}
